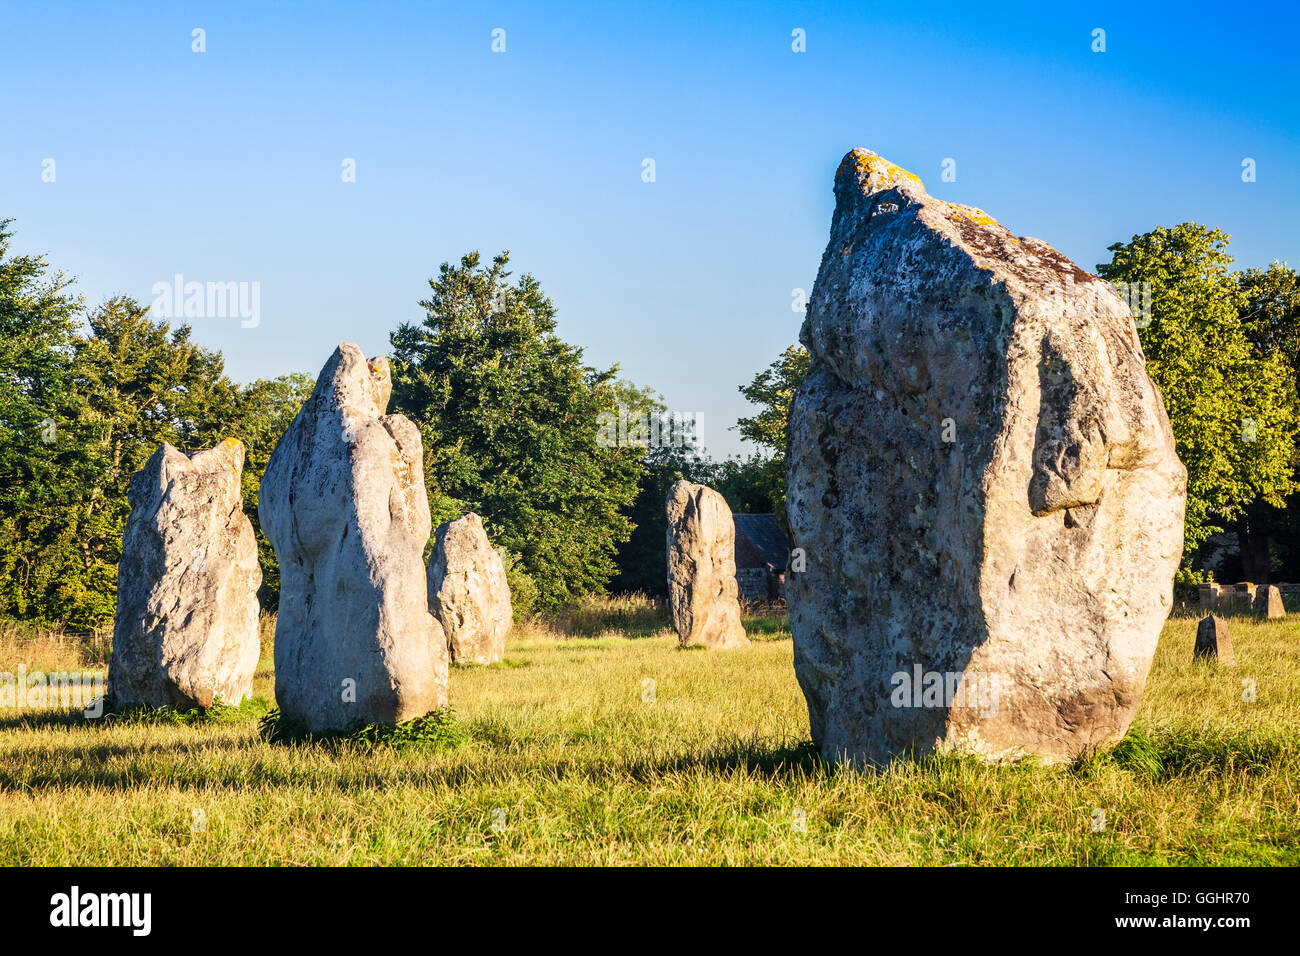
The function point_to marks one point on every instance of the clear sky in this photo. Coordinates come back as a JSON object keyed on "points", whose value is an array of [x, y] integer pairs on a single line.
{"points": [[226, 165]]}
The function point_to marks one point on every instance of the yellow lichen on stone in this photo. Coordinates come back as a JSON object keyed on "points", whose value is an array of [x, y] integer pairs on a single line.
{"points": [[977, 216], [867, 164]]}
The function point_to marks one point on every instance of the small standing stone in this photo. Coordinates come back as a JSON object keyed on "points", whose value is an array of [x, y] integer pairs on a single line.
{"points": [[186, 629], [702, 585], [1268, 602], [1212, 642], [469, 593]]}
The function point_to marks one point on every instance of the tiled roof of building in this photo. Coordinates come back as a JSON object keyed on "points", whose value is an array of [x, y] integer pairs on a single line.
{"points": [[760, 541]]}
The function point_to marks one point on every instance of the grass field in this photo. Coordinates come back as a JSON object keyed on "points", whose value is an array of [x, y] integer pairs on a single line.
{"points": [[573, 756]]}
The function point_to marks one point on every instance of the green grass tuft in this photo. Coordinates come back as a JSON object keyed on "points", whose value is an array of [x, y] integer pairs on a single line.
{"points": [[248, 710], [439, 730]]}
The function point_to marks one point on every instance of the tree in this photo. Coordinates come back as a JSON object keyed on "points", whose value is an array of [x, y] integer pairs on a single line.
{"points": [[38, 319], [509, 416], [114, 390], [773, 390], [1232, 408], [1268, 537], [262, 413]]}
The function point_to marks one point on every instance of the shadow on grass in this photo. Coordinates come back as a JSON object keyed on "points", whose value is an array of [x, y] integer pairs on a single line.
{"points": [[438, 730], [68, 718]]}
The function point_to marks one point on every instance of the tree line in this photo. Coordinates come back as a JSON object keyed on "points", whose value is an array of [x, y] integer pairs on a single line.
{"points": [[509, 414]]}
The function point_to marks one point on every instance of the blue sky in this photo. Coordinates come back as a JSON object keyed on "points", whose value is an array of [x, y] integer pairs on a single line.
{"points": [[225, 165]]}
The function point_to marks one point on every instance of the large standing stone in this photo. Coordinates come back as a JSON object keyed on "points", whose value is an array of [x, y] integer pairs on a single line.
{"points": [[702, 585], [984, 482], [1212, 641], [186, 629], [1268, 602], [344, 505], [468, 591]]}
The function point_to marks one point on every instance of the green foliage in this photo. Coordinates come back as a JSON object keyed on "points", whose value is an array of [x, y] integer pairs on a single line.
{"points": [[1187, 584], [509, 415], [263, 411], [1270, 310], [1233, 409], [85, 405], [523, 592], [438, 730], [772, 390], [38, 319], [114, 390], [252, 708]]}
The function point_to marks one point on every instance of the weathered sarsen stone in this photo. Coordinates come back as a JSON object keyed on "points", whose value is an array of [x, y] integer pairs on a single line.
{"points": [[468, 591], [984, 482], [702, 587], [186, 629], [344, 505]]}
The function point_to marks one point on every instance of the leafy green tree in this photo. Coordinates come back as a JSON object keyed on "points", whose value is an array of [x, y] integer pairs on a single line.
{"points": [[773, 390], [1232, 408], [38, 320], [136, 383], [263, 411], [114, 390], [1270, 311], [1268, 537], [509, 415]]}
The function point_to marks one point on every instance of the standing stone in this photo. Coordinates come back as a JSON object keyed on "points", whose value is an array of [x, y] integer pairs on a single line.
{"points": [[344, 505], [983, 479], [702, 568], [1268, 602], [1212, 642], [468, 591], [186, 633]]}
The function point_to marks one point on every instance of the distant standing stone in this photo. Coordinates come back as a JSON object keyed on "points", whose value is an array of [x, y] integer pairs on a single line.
{"points": [[186, 629], [1268, 602], [1212, 642], [468, 591], [343, 503], [702, 585]]}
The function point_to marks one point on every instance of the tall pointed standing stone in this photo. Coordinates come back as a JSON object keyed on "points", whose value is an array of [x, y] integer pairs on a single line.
{"points": [[983, 479], [1268, 602], [468, 591], [702, 585], [344, 505], [186, 634]]}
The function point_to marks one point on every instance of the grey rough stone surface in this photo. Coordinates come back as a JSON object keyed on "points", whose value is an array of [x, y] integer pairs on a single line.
{"points": [[702, 588], [468, 591], [984, 481], [185, 634], [1212, 640], [343, 503]]}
